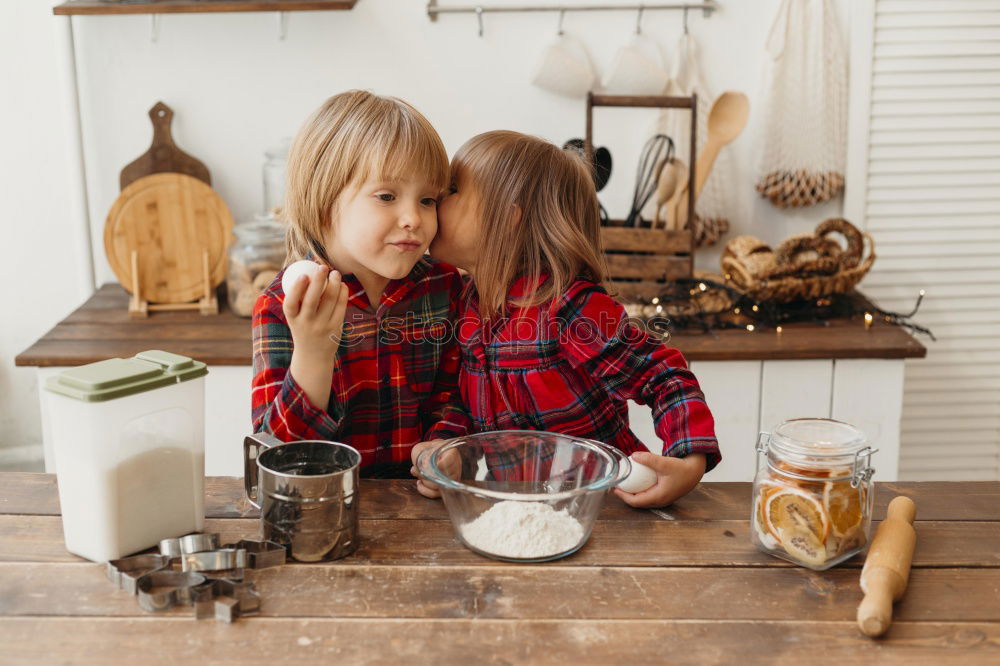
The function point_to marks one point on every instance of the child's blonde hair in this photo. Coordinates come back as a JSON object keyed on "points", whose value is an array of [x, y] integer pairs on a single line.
{"points": [[352, 137], [559, 229]]}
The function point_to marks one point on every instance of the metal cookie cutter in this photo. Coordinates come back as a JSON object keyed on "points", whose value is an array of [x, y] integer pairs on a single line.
{"points": [[127, 571], [227, 600], [223, 559], [261, 554], [220, 591], [161, 590], [191, 543]]}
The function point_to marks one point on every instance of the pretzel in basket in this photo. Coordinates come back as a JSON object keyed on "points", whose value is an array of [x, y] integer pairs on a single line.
{"points": [[802, 266], [806, 254], [850, 257], [752, 254]]}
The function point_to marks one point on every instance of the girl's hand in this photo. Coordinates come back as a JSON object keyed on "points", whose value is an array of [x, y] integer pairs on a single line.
{"points": [[315, 309], [449, 464], [675, 477]]}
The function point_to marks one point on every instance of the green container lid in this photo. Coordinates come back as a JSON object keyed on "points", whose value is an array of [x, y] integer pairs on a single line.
{"points": [[120, 377]]}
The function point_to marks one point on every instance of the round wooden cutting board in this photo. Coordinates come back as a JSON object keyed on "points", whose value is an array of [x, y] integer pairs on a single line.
{"points": [[170, 220]]}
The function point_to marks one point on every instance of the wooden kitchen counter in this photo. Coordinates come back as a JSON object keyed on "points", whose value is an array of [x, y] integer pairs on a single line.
{"points": [[101, 328], [683, 585]]}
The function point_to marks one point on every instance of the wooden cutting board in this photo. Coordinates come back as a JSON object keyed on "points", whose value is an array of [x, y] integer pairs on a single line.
{"points": [[163, 155], [170, 220]]}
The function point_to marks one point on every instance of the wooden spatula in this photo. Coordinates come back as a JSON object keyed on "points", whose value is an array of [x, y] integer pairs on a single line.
{"points": [[163, 155]]}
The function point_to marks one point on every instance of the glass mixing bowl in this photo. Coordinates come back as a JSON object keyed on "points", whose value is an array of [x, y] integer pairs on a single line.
{"points": [[523, 495]]}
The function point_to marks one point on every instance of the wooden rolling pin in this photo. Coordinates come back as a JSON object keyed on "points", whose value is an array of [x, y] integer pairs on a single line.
{"points": [[887, 568]]}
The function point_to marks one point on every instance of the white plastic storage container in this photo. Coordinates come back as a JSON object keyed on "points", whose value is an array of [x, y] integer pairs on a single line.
{"points": [[129, 443]]}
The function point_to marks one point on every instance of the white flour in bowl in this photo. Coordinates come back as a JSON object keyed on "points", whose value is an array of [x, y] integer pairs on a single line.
{"points": [[523, 530]]}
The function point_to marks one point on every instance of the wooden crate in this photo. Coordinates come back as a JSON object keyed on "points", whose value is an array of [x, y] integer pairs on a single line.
{"points": [[641, 262]]}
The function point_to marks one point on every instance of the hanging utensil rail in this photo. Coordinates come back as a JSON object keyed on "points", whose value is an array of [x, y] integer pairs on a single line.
{"points": [[708, 6]]}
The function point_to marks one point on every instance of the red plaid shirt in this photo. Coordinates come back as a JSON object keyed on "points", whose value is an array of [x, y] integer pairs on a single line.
{"points": [[570, 366], [395, 378]]}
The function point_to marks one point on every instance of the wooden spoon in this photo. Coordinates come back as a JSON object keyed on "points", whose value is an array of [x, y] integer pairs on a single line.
{"points": [[670, 176], [683, 176], [726, 120]]}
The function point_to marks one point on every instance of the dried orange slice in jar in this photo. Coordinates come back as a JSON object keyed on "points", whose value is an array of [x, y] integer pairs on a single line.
{"points": [[843, 505], [791, 509], [802, 544], [764, 536], [803, 495]]}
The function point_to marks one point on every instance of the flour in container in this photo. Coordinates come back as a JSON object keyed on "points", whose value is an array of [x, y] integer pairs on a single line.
{"points": [[523, 530]]}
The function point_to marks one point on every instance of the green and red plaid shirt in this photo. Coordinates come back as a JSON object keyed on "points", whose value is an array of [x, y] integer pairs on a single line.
{"points": [[395, 379], [571, 366]]}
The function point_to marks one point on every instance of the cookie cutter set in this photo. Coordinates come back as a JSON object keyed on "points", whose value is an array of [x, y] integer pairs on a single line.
{"points": [[194, 570]]}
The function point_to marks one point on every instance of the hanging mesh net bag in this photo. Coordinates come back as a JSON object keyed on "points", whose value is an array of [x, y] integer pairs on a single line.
{"points": [[804, 140]]}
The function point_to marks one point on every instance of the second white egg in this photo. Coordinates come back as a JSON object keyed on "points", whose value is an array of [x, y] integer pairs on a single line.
{"points": [[640, 478]]}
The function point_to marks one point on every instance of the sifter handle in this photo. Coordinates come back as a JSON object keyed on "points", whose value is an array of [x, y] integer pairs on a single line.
{"points": [[254, 443]]}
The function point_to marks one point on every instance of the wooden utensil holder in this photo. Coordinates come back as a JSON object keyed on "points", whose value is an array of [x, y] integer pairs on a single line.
{"points": [[139, 308], [642, 261]]}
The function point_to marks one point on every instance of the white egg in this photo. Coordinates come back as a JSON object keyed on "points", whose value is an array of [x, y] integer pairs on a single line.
{"points": [[639, 479], [297, 270]]}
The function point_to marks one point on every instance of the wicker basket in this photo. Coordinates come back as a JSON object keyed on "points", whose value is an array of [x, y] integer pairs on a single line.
{"points": [[790, 288]]}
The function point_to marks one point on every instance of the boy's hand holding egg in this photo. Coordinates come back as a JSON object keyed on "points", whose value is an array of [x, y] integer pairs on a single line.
{"points": [[315, 303], [658, 480]]}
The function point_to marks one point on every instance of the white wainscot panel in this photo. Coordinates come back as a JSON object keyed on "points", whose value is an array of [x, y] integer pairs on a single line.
{"points": [[732, 391], [868, 393], [794, 390], [227, 418]]}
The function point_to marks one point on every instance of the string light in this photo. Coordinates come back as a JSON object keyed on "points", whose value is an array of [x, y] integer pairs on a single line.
{"points": [[685, 310]]}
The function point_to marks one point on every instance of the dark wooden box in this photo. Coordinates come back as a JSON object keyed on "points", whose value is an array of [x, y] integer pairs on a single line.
{"points": [[641, 262]]}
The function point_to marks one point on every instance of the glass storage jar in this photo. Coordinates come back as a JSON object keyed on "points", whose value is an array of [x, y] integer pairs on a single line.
{"points": [[256, 257], [813, 493], [275, 165]]}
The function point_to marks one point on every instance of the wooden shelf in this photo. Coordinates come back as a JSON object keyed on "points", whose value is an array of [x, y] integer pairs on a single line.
{"points": [[98, 7], [101, 328]]}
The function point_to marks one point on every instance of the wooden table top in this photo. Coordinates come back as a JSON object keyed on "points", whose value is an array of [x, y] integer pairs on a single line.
{"points": [[682, 585], [101, 328]]}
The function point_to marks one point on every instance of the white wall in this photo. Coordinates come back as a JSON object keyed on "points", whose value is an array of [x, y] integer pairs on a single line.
{"points": [[39, 263], [236, 88]]}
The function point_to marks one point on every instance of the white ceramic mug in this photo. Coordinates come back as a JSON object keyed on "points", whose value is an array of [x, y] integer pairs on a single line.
{"points": [[636, 70], [565, 68]]}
